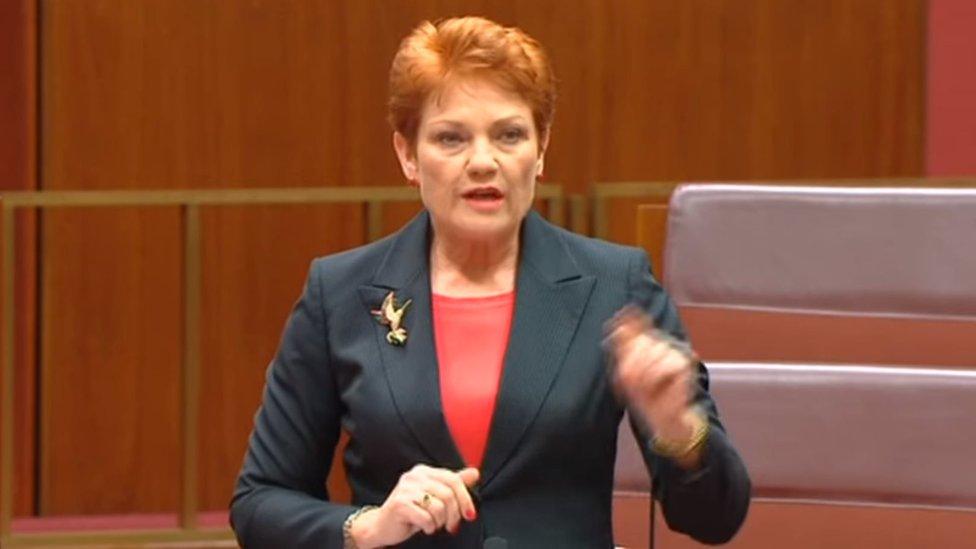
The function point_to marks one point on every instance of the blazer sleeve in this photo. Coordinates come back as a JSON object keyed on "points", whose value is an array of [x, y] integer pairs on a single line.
{"points": [[281, 499], [708, 504]]}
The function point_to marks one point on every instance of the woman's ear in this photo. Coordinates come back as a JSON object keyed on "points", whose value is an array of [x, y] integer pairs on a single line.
{"points": [[407, 157], [541, 162]]}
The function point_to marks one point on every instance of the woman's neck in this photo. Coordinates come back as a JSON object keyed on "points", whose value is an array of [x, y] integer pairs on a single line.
{"points": [[469, 268]]}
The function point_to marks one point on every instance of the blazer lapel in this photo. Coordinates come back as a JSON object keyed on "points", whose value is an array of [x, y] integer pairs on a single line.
{"points": [[551, 296], [411, 370]]}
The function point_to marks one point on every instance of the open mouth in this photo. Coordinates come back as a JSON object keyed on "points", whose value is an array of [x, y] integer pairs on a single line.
{"points": [[486, 194]]}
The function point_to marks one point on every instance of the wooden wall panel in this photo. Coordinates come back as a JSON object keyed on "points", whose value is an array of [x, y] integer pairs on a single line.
{"points": [[761, 90], [187, 94], [652, 232], [257, 259], [112, 341], [18, 171], [182, 94], [25, 362], [396, 215], [704, 91]]}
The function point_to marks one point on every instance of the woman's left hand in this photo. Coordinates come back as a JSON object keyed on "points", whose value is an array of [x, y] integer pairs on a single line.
{"points": [[654, 374]]}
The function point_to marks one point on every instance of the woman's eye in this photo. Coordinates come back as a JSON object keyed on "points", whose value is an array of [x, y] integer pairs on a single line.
{"points": [[512, 136], [449, 139]]}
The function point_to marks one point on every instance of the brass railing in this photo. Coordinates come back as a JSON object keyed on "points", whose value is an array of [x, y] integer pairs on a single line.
{"points": [[189, 202]]}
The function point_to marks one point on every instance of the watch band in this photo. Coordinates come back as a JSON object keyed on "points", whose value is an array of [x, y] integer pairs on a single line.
{"points": [[678, 450], [347, 541]]}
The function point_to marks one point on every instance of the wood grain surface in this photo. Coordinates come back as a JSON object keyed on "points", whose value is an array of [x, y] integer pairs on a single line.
{"points": [[18, 172], [264, 93]]}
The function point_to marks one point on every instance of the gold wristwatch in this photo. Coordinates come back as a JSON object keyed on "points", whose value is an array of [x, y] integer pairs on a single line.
{"points": [[347, 541], [680, 450]]}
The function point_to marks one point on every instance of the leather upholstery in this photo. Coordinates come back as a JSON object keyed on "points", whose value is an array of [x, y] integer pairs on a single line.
{"points": [[824, 249], [853, 433], [837, 324], [838, 435]]}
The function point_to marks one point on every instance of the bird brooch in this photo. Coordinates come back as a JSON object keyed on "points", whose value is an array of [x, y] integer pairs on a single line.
{"points": [[391, 314]]}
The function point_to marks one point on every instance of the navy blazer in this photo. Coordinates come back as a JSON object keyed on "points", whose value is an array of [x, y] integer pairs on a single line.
{"points": [[547, 474]]}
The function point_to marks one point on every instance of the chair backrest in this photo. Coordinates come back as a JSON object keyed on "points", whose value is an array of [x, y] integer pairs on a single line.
{"points": [[825, 274], [896, 444], [851, 456], [870, 454], [631, 493], [853, 434]]}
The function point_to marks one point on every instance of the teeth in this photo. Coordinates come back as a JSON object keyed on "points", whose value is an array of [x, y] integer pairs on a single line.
{"points": [[486, 193]]}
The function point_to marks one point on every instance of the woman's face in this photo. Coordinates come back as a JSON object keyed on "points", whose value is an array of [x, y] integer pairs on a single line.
{"points": [[476, 160]]}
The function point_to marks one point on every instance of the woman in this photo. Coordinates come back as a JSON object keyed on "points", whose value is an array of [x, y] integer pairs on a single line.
{"points": [[467, 355]]}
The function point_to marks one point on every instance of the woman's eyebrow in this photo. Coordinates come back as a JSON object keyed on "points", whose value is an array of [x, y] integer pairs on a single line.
{"points": [[507, 119], [446, 122], [460, 124]]}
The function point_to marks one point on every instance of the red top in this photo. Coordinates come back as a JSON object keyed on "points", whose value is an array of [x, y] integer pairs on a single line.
{"points": [[471, 335]]}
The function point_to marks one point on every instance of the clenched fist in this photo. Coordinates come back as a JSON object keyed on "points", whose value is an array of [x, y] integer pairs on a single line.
{"points": [[655, 374]]}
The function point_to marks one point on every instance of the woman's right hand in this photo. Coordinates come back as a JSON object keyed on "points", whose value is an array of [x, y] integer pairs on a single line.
{"points": [[424, 499]]}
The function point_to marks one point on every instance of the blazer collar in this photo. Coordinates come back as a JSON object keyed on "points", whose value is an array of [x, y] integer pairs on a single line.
{"points": [[408, 255], [551, 295], [411, 370]]}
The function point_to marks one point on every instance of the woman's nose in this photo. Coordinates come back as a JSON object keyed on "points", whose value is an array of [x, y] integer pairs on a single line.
{"points": [[482, 161]]}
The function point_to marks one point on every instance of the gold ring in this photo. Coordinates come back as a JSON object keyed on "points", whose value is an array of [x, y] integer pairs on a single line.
{"points": [[424, 502]]}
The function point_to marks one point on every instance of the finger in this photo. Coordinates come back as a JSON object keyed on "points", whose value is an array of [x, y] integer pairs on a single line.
{"points": [[653, 351], [408, 499], [437, 505], [430, 480], [640, 361], [630, 323], [621, 347], [621, 323], [469, 476], [443, 504], [625, 325], [459, 490], [406, 510], [678, 345], [671, 376], [631, 313], [458, 496]]}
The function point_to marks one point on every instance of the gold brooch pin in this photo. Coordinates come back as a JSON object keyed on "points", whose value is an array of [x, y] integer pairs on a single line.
{"points": [[390, 314]]}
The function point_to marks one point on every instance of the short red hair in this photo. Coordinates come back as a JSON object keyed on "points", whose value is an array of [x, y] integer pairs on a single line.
{"points": [[435, 53]]}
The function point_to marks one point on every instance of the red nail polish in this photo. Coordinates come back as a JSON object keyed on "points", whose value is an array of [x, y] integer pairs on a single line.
{"points": [[470, 515]]}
